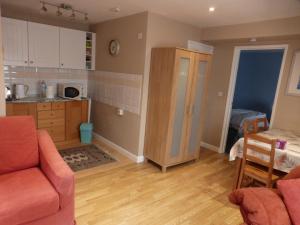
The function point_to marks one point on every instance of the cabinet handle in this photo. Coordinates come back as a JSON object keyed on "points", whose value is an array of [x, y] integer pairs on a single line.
{"points": [[25, 62], [62, 64], [31, 62]]}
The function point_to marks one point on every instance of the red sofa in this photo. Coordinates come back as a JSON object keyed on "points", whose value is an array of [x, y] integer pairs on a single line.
{"points": [[263, 206], [36, 185]]}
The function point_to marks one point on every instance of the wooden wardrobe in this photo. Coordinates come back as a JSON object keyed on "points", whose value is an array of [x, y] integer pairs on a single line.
{"points": [[176, 105]]}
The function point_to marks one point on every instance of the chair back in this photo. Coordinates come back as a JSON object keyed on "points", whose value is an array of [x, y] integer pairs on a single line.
{"points": [[256, 125], [18, 143], [268, 152]]}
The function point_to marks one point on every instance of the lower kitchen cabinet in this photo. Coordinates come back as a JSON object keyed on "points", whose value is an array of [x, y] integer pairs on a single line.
{"points": [[76, 113], [61, 119]]}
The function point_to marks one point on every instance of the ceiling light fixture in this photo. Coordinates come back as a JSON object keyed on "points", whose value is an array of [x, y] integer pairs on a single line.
{"points": [[73, 15], [44, 9], [58, 12], [63, 7], [212, 9], [86, 18]]}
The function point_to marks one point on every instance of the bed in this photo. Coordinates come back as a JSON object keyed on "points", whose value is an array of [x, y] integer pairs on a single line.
{"points": [[237, 119]]}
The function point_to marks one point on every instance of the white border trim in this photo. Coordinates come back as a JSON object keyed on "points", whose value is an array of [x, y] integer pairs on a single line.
{"points": [[123, 151], [209, 146], [232, 82]]}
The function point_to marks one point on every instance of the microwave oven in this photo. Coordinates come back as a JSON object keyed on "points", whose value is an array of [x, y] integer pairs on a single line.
{"points": [[71, 91]]}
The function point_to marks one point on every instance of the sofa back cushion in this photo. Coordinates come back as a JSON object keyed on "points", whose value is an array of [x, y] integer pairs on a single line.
{"points": [[260, 206], [290, 190], [18, 143]]}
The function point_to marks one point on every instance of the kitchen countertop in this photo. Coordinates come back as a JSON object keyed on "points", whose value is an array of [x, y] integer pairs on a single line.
{"points": [[41, 99]]}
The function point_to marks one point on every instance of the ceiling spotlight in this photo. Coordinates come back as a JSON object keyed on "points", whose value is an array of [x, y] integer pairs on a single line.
{"points": [[115, 9], [86, 18], [211, 9], [44, 9], [58, 12], [73, 15]]}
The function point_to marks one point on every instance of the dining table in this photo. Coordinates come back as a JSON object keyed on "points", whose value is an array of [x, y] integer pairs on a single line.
{"points": [[285, 159]]}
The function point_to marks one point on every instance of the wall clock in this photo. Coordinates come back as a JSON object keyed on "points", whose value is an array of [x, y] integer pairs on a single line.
{"points": [[114, 47]]}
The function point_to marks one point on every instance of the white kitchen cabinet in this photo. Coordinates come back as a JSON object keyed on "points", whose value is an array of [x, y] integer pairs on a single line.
{"points": [[15, 42], [72, 49], [43, 45]]}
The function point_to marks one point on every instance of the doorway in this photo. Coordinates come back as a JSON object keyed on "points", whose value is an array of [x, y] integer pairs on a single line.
{"points": [[253, 90]]}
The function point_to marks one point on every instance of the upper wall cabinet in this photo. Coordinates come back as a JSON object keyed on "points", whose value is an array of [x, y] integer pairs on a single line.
{"points": [[72, 48], [39, 45], [43, 45], [15, 42]]}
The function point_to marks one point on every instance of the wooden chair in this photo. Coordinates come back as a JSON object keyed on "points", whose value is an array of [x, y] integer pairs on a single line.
{"points": [[254, 167], [256, 126]]}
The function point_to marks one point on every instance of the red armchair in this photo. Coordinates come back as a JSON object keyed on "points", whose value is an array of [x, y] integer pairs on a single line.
{"points": [[36, 185], [263, 206]]}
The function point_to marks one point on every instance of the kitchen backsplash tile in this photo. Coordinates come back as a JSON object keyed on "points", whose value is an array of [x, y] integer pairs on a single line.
{"points": [[116, 89], [31, 76], [120, 90]]}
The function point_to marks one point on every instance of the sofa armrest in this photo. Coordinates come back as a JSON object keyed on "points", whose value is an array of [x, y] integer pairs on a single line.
{"points": [[55, 169], [293, 174]]}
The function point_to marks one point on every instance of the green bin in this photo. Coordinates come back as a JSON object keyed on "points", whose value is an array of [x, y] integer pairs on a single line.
{"points": [[86, 131]]}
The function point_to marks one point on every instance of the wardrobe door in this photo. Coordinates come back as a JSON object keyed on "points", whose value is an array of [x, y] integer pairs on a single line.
{"points": [[182, 81], [198, 96]]}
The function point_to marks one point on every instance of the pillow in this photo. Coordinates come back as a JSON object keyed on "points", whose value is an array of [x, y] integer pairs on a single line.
{"points": [[290, 190], [260, 206]]}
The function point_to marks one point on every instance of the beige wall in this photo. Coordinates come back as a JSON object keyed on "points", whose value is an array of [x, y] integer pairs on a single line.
{"points": [[271, 28], [124, 130], [288, 107], [128, 131], [132, 52], [162, 32], [2, 97], [46, 18]]}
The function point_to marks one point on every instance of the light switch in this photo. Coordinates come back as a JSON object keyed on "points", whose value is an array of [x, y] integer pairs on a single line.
{"points": [[140, 36]]}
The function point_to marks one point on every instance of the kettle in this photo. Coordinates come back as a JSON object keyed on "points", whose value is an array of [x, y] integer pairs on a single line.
{"points": [[21, 90]]}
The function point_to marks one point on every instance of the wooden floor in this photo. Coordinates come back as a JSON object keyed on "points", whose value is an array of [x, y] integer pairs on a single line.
{"points": [[126, 193]]}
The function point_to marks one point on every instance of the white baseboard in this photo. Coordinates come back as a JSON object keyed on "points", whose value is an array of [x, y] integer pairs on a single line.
{"points": [[123, 151], [210, 147]]}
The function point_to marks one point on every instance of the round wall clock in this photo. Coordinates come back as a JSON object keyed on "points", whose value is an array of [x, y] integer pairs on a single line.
{"points": [[114, 47]]}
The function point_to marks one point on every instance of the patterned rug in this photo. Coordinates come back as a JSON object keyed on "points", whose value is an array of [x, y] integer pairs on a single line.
{"points": [[85, 157]]}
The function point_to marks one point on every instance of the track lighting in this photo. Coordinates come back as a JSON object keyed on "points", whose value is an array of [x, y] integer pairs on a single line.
{"points": [[63, 7], [58, 12], [73, 15], [44, 9]]}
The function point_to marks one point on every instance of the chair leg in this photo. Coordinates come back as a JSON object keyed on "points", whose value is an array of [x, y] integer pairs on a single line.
{"points": [[240, 180]]}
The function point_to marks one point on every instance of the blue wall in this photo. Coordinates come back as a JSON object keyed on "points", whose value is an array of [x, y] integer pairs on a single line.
{"points": [[257, 79]]}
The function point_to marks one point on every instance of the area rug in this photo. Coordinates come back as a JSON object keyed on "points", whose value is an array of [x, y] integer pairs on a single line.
{"points": [[85, 157]]}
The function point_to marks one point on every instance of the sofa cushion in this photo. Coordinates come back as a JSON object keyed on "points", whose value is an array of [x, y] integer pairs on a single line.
{"points": [[290, 190], [18, 141], [25, 196], [260, 206]]}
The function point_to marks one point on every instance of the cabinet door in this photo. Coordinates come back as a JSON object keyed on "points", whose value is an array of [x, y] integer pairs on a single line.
{"points": [[43, 45], [15, 42], [180, 95], [198, 97], [21, 109], [76, 113], [72, 48]]}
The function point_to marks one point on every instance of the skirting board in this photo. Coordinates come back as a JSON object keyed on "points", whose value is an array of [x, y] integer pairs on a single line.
{"points": [[123, 151], [209, 146]]}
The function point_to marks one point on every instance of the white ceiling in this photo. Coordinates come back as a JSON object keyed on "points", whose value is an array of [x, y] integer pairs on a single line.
{"points": [[193, 12]]}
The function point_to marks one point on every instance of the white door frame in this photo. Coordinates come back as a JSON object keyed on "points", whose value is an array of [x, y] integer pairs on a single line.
{"points": [[232, 82]]}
